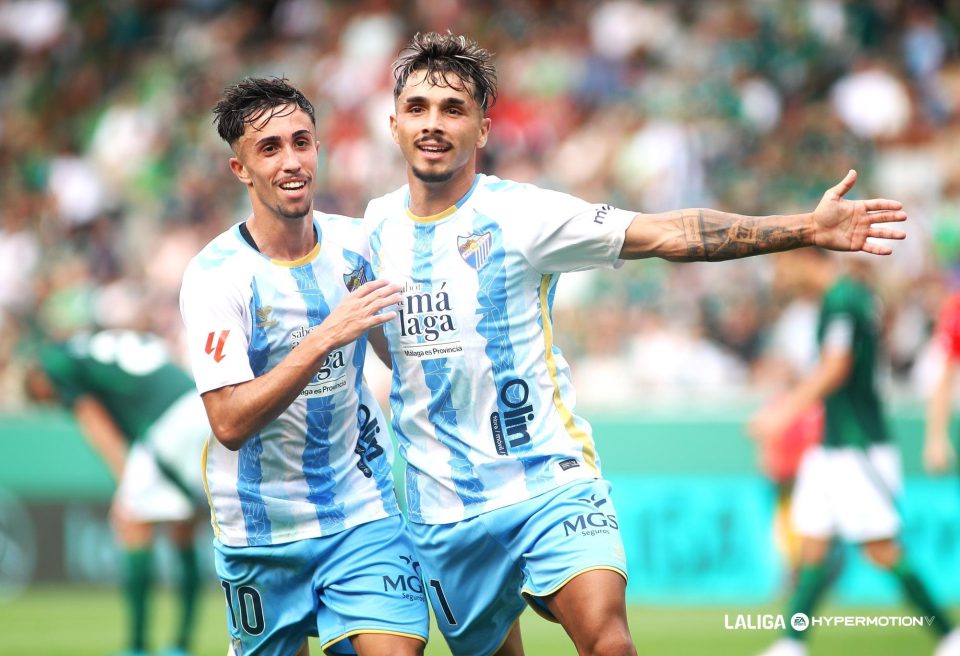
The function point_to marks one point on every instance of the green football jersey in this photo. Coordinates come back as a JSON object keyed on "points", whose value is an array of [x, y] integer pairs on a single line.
{"points": [[130, 373], [854, 415]]}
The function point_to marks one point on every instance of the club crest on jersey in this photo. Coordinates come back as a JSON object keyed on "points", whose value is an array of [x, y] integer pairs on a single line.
{"points": [[474, 249], [355, 278]]}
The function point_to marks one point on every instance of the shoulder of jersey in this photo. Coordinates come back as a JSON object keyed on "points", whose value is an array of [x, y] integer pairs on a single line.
{"points": [[218, 255], [493, 184], [344, 231], [381, 208]]}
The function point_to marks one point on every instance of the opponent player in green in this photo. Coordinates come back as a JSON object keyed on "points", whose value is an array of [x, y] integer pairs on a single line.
{"points": [[506, 500], [143, 416], [846, 487]]}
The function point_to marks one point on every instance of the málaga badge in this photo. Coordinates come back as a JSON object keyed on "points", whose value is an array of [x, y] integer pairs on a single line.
{"points": [[475, 249], [355, 278]]}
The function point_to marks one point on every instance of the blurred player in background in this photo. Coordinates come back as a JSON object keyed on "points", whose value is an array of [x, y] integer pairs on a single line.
{"points": [[847, 487], [309, 536], [938, 452], [503, 482], [144, 418]]}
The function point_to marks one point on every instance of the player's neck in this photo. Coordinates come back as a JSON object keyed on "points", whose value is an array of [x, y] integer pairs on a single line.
{"points": [[429, 198], [281, 238]]}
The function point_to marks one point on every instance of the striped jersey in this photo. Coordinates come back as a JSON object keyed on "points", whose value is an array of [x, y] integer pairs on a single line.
{"points": [[324, 464], [482, 403]]}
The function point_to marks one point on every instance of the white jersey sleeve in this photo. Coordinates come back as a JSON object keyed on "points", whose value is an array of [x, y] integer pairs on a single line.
{"points": [[560, 233], [217, 323]]}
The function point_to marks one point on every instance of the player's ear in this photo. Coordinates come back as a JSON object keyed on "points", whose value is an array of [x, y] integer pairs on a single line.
{"points": [[239, 170], [484, 132], [393, 128]]}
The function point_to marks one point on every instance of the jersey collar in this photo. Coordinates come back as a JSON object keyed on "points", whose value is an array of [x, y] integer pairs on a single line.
{"points": [[433, 218]]}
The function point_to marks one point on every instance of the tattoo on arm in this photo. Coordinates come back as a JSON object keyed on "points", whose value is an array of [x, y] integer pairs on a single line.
{"points": [[715, 236]]}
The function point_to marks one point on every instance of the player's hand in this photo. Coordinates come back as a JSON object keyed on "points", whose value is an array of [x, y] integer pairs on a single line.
{"points": [[358, 312], [938, 454], [845, 225]]}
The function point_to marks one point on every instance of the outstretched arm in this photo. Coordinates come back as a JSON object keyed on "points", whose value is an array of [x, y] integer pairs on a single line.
{"points": [[703, 234], [238, 411]]}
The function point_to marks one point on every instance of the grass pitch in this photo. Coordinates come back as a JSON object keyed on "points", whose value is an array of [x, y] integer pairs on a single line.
{"points": [[89, 621]]}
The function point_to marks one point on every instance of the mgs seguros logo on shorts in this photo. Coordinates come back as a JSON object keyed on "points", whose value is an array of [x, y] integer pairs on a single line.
{"points": [[408, 582], [591, 523]]}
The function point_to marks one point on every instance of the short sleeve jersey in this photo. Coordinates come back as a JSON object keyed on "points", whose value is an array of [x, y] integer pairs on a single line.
{"points": [[482, 401], [129, 373], [848, 321], [323, 465], [948, 327]]}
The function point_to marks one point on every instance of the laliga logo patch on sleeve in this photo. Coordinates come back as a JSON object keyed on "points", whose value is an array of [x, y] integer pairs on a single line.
{"points": [[217, 352]]}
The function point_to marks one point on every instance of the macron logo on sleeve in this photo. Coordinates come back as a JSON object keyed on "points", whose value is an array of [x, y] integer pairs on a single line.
{"points": [[601, 214], [217, 352]]}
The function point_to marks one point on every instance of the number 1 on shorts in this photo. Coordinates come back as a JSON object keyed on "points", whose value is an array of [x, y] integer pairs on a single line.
{"points": [[442, 598]]}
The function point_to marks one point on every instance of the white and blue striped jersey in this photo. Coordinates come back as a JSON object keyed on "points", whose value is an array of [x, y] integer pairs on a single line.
{"points": [[482, 403], [324, 464]]}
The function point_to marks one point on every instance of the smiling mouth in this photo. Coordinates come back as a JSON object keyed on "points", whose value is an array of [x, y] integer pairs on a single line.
{"points": [[293, 185], [434, 147]]}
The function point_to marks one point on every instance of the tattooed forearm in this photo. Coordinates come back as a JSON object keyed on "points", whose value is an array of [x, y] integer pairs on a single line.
{"points": [[712, 236]]}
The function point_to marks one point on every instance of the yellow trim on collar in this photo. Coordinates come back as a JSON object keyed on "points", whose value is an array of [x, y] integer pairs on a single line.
{"points": [[433, 217], [300, 261]]}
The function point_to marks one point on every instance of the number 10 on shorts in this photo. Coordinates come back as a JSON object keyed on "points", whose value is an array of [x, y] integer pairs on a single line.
{"points": [[250, 605]]}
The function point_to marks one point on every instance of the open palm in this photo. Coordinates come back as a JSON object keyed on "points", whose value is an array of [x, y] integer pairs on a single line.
{"points": [[845, 225]]}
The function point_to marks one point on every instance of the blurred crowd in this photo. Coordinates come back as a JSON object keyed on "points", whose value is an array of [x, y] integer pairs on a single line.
{"points": [[112, 175]]}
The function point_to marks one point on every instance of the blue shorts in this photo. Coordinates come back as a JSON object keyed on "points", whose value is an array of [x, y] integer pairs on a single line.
{"points": [[361, 580], [480, 570]]}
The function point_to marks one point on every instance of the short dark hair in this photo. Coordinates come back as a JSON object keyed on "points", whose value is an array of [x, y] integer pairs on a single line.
{"points": [[250, 99], [442, 55]]}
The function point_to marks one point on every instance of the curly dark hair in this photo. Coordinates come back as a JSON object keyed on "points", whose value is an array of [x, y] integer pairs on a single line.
{"points": [[450, 60], [252, 99]]}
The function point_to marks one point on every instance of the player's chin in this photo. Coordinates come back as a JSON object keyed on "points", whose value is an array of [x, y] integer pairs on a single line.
{"points": [[432, 174], [295, 211]]}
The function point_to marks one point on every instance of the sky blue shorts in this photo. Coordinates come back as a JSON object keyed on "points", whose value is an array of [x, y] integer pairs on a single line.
{"points": [[361, 580], [480, 571]]}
